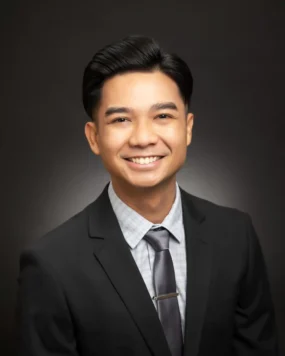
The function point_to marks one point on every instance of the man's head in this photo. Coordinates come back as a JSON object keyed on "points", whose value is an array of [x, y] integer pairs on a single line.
{"points": [[138, 98]]}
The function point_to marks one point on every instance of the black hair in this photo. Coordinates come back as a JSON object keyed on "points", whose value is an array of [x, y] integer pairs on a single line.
{"points": [[134, 53]]}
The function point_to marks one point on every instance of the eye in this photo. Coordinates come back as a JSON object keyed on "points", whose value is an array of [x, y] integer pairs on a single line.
{"points": [[165, 116], [119, 119]]}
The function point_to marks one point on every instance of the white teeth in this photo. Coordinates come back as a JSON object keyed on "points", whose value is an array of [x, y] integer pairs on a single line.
{"points": [[146, 160]]}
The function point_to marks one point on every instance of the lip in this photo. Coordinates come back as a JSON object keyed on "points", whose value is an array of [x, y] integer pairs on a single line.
{"points": [[143, 167], [143, 156]]}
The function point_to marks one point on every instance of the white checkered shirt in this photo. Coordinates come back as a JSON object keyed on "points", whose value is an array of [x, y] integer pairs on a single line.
{"points": [[134, 227]]}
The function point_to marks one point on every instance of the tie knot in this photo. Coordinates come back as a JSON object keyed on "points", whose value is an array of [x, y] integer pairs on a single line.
{"points": [[158, 239]]}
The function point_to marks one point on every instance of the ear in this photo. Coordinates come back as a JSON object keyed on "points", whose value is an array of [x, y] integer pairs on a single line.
{"points": [[91, 133], [189, 127]]}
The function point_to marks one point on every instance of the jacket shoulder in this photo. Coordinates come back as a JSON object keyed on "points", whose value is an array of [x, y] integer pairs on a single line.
{"points": [[62, 240], [219, 220], [210, 208], [227, 228]]}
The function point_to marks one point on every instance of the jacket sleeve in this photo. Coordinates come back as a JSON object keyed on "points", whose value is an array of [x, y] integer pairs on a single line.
{"points": [[255, 332], [44, 325]]}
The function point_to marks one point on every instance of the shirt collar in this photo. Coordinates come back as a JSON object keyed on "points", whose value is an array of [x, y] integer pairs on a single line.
{"points": [[134, 226]]}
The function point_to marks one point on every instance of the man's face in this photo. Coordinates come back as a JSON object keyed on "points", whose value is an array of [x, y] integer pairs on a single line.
{"points": [[130, 125]]}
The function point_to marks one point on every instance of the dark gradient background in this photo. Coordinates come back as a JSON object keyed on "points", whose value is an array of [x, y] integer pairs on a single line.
{"points": [[236, 53]]}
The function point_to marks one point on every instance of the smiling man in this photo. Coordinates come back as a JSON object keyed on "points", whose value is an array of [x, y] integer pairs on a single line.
{"points": [[142, 136], [147, 268]]}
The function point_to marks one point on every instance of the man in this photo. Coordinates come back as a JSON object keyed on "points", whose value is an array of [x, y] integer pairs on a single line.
{"points": [[147, 268]]}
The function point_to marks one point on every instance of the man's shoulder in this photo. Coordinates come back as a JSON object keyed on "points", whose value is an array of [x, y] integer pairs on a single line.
{"points": [[226, 227], [211, 207], [63, 239], [216, 214]]}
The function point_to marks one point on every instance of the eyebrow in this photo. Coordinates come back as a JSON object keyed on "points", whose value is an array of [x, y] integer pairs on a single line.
{"points": [[127, 110]]}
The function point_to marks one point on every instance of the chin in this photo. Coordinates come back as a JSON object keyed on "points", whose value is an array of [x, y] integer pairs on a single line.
{"points": [[146, 183]]}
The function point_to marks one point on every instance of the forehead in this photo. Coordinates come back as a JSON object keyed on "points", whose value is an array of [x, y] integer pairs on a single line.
{"points": [[139, 89]]}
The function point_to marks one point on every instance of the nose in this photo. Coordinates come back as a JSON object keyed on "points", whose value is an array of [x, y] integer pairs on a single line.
{"points": [[143, 134]]}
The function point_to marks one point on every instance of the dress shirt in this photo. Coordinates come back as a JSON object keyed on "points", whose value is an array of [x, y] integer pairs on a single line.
{"points": [[134, 227]]}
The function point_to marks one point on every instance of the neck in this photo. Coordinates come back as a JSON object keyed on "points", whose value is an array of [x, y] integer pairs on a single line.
{"points": [[153, 203]]}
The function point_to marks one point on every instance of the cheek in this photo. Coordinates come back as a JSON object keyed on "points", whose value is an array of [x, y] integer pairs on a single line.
{"points": [[175, 138], [111, 144]]}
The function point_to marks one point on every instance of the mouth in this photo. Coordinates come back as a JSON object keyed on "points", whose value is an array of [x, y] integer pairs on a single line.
{"points": [[144, 164], [130, 159]]}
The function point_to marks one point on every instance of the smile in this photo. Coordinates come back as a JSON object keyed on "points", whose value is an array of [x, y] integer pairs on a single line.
{"points": [[144, 163], [145, 160]]}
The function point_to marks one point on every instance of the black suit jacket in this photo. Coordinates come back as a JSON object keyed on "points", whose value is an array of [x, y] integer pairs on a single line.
{"points": [[81, 293]]}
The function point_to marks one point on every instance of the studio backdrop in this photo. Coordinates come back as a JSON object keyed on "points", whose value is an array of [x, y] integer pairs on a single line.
{"points": [[236, 53]]}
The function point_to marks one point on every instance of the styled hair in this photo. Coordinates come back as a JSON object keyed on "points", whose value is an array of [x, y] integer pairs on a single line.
{"points": [[134, 53]]}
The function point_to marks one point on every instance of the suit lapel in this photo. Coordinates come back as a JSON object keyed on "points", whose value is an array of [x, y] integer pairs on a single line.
{"points": [[112, 252], [199, 261]]}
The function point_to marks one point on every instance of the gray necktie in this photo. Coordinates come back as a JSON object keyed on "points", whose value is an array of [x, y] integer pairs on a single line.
{"points": [[165, 289]]}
